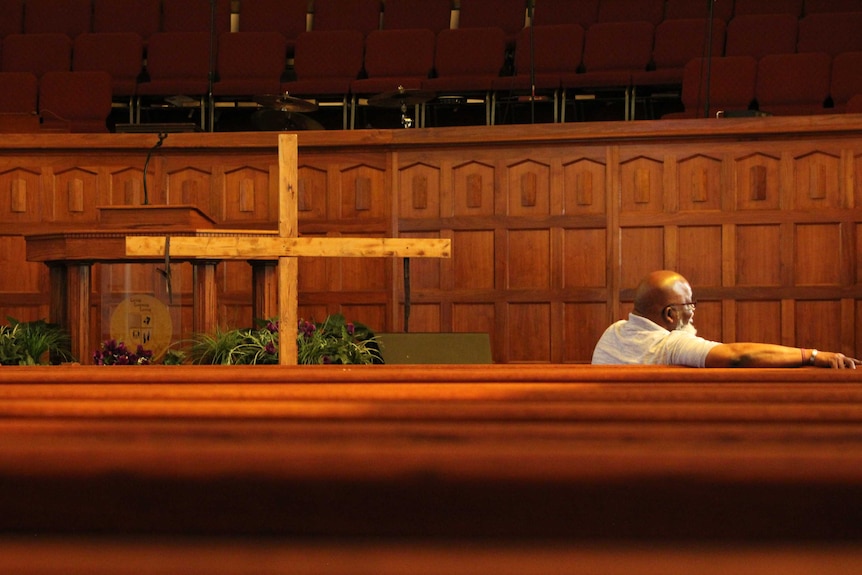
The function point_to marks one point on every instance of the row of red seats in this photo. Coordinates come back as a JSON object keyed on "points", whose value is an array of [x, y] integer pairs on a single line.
{"points": [[342, 65], [59, 100], [779, 84], [292, 17]]}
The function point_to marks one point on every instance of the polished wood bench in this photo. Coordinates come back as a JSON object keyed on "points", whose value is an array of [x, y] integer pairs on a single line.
{"points": [[514, 468]]}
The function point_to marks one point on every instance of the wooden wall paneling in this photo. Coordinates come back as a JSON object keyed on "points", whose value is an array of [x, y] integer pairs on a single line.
{"points": [[125, 186], [477, 317], [248, 193], [419, 192], [529, 336], [758, 255], [642, 185], [642, 250], [855, 176], [709, 318], [818, 324], [372, 314], [584, 257], [73, 196], [583, 323], [424, 317], [614, 231], [23, 284], [757, 182], [817, 181], [699, 254], [699, 183], [788, 321], [22, 193], [758, 320], [818, 251]]}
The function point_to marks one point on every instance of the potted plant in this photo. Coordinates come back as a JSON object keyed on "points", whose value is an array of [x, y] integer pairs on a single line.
{"points": [[333, 341], [34, 343]]}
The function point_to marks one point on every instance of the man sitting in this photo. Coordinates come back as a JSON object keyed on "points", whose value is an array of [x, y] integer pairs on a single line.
{"points": [[661, 331]]}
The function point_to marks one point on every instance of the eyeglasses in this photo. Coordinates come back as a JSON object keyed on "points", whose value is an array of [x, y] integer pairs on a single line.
{"points": [[689, 304]]}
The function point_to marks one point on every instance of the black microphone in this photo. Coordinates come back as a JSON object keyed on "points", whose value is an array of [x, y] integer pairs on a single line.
{"points": [[162, 136]]}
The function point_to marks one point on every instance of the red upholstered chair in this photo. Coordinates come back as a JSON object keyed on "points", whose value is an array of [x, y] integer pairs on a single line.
{"points": [[793, 84], [557, 50], [651, 11], [13, 17], [508, 15], [435, 15], [178, 65], [792, 7], [249, 64], [361, 15], [676, 42], [75, 101], [613, 51], [195, 15], [854, 105], [467, 62], [287, 17], [817, 6], [684, 9], [325, 63], [581, 12], [830, 32], [757, 35], [70, 17], [396, 58], [37, 53], [19, 96], [846, 79], [118, 53], [144, 17], [729, 82], [19, 93]]}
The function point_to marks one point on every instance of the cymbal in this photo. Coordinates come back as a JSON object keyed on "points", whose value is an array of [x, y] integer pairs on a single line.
{"points": [[269, 120], [400, 97], [285, 103]]}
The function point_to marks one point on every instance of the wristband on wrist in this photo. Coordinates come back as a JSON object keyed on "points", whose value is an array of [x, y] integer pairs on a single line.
{"points": [[812, 357]]}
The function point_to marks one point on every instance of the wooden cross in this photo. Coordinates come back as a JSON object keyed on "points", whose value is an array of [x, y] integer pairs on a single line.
{"points": [[287, 247]]}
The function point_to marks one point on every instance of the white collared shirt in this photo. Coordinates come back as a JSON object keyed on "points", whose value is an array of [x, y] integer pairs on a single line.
{"points": [[638, 340]]}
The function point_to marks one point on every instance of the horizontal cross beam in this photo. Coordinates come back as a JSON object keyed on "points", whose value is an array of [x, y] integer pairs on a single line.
{"points": [[242, 247]]}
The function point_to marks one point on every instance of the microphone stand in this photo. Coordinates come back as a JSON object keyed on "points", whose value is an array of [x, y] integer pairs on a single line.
{"points": [[162, 136], [211, 74], [531, 7], [709, 19]]}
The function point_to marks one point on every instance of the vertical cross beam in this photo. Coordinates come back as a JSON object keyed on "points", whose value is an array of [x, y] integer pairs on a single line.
{"points": [[288, 266]]}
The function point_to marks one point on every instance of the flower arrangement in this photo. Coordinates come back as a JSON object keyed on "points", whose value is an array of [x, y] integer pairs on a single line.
{"points": [[34, 343], [333, 341], [112, 352]]}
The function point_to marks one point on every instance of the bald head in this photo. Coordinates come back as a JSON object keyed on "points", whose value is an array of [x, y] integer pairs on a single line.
{"points": [[658, 290]]}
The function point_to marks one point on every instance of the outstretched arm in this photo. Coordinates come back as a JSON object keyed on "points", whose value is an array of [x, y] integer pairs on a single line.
{"points": [[771, 355]]}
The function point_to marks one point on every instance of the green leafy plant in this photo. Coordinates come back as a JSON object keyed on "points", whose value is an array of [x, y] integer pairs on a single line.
{"points": [[335, 340], [34, 343]]}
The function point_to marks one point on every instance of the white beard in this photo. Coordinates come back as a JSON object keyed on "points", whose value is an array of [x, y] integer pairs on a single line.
{"points": [[687, 327]]}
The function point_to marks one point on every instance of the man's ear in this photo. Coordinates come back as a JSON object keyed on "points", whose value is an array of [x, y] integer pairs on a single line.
{"points": [[667, 314]]}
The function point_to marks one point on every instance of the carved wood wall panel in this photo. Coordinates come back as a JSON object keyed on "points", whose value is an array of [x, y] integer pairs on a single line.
{"points": [[551, 229]]}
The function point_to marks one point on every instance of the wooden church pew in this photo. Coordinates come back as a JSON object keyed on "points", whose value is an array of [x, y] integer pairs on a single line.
{"points": [[391, 467]]}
